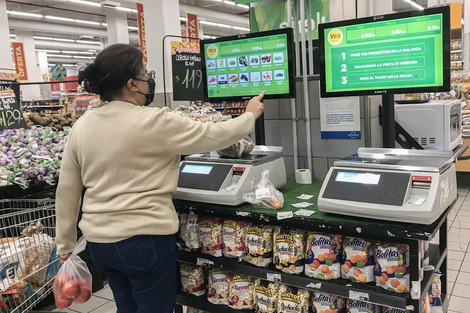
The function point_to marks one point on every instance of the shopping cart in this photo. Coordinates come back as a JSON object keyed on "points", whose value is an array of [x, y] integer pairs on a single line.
{"points": [[28, 262]]}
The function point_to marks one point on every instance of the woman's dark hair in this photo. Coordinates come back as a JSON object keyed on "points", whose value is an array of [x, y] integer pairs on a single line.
{"points": [[111, 70]]}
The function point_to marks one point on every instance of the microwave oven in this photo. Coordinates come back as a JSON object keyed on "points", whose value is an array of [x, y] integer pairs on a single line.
{"points": [[435, 125]]}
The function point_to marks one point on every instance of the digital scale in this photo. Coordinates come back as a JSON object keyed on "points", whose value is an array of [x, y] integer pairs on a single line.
{"points": [[403, 185], [208, 178]]}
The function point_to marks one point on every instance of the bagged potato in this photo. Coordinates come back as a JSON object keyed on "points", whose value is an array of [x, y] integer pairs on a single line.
{"points": [[323, 302], [234, 233], [192, 279], [235, 151], [323, 256], [292, 300], [210, 234], [241, 290], [217, 291], [358, 260], [356, 306], [391, 267], [259, 245], [188, 239], [289, 250], [266, 296]]}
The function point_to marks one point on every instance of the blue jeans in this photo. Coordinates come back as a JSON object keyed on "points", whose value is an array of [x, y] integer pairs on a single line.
{"points": [[141, 270]]}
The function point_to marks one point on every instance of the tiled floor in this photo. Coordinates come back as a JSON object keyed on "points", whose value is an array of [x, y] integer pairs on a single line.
{"points": [[458, 263]]}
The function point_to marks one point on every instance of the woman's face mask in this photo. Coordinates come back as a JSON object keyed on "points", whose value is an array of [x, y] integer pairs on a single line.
{"points": [[150, 95]]}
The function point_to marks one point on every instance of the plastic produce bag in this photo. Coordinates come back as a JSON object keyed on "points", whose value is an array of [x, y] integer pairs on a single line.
{"points": [[73, 282], [235, 151], [265, 195]]}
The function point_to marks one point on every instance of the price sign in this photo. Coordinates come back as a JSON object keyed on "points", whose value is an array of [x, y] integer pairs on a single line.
{"points": [[10, 112], [187, 74]]}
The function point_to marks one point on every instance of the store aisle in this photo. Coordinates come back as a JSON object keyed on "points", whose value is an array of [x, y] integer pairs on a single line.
{"points": [[458, 264]]}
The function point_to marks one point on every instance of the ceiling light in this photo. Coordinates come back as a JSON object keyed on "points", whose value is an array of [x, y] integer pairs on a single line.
{"points": [[82, 57], [91, 50], [183, 19], [24, 14], [84, 52], [224, 25], [89, 42], [59, 18], [241, 28], [243, 6], [126, 9], [43, 38], [228, 2], [416, 5], [64, 39], [49, 51], [104, 24], [208, 23], [12, 36], [132, 28], [86, 2], [59, 56], [87, 22], [69, 52]]}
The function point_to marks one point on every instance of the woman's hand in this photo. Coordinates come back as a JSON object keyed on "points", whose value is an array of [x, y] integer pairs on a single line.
{"points": [[255, 105], [64, 257]]}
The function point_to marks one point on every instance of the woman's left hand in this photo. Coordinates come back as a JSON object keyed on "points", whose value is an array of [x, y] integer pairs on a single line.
{"points": [[64, 257]]}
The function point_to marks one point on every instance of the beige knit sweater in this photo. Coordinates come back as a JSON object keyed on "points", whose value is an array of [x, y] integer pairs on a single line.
{"points": [[128, 157]]}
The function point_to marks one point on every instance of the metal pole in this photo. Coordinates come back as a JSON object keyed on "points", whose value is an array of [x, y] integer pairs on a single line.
{"points": [[388, 121], [296, 38], [310, 41], [305, 87], [292, 101]]}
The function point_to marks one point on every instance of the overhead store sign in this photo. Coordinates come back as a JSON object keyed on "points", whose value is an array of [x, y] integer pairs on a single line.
{"points": [[192, 26], [58, 72], [141, 26], [274, 16], [20, 61]]}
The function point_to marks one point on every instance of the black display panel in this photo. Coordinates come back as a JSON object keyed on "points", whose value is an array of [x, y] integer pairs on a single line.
{"points": [[388, 54], [367, 186], [203, 176], [242, 66]]}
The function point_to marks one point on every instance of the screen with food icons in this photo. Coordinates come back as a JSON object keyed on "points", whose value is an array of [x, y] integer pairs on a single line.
{"points": [[244, 67]]}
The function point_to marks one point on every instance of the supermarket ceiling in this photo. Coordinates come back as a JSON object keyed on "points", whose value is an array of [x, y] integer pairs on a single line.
{"points": [[60, 26]]}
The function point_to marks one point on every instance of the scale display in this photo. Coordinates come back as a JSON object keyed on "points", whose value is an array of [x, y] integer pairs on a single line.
{"points": [[359, 178], [197, 169], [240, 67], [375, 57]]}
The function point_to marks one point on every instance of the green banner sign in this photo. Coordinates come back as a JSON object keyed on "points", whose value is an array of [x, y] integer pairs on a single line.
{"points": [[58, 72], [274, 16]]}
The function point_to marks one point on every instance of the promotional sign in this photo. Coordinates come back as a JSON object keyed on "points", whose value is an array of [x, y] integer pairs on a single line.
{"points": [[192, 26], [6, 79], [274, 16], [187, 74], [58, 72], [141, 26], [10, 113], [20, 62], [340, 118], [247, 67], [401, 53]]}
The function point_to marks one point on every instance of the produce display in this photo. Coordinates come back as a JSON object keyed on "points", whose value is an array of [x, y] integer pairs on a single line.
{"points": [[31, 155], [52, 120]]}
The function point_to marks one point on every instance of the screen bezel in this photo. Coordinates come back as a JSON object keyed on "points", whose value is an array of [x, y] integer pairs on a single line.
{"points": [[290, 63], [444, 10]]}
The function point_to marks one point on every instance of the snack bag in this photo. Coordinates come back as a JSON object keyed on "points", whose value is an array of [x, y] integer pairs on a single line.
{"points": [[426, 253], [210, 234], [188, 233], [323, 260], [425, 306], [356, 306], [393, 310], [193, 310], [217, 291], [289, 250], [73, 281], [266, 196], [234, 233], [266, 296], [292, 300], [391, 267], [435, 301], [259, 245], [323, 302], [241, 290], [358, 260], [192, 279]]}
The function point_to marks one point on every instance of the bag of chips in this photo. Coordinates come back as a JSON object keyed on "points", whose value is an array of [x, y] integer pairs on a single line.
{"points": [[266, 296], [293, 300], [356, 306], [192, 279], [210, 233], [391, 266], [259, 245], [188, 233], [289, 250], [323, 260], [323, 302], [358, 260], [234, 233], [241, 290], [217, 291]]}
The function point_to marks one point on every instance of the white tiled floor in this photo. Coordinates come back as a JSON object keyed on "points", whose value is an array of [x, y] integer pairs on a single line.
{"points": [[458, 262]]}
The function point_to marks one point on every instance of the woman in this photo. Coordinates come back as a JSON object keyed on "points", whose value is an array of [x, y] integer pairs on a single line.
{"points": [[127, 157]]}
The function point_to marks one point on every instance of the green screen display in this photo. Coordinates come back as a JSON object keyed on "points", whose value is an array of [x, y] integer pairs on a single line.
{"points": [[393, 54], [246, 67]]}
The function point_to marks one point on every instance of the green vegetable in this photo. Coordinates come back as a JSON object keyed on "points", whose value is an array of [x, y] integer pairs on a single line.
{"points": [[329, 262], [353, 279], [232, 62], [320, 276], [390, 289], [278, 58], [398, 274], [360, 264], [211, 64], [279, 75]]}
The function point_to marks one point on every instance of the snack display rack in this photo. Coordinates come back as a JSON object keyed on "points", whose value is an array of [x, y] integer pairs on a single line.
{"points": [[403, 233], [27, 253]]}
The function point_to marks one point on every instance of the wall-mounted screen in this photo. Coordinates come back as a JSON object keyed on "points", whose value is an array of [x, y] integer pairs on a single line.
{"points": [[389, 54], [242, 66]]}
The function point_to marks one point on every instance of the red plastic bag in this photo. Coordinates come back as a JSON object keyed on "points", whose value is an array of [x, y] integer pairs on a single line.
{"points": [[73, 281]]}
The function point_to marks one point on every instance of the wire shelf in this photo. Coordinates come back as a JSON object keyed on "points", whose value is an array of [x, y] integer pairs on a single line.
{"points": [[28, 262]]}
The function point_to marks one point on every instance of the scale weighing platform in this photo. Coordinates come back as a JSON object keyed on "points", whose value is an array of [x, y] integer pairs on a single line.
{"points": [[206, 177], [403, 185]]}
